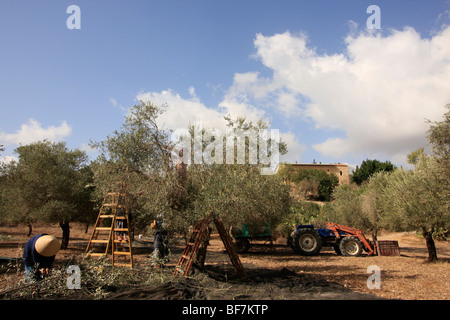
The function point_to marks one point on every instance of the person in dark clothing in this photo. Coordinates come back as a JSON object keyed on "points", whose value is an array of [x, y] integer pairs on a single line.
{"points": [[160, 244], [38, 256]]}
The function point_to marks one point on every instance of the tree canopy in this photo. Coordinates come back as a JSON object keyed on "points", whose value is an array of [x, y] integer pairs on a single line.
{"points": [[48, 183], [368, 168], [314, 183], [141, 154]]}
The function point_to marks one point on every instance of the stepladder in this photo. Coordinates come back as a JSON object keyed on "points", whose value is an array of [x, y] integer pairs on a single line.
{"points": [[111, 233], [195, 250], [197, 242]]}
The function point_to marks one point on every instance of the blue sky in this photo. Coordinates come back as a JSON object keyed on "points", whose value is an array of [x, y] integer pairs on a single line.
{"points": [[337, 91]]}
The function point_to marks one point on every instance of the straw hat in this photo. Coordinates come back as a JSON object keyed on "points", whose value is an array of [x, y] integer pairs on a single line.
{"points": [[47, 245]]}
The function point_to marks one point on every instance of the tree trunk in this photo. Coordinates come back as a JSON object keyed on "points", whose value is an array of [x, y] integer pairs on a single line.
{"points": [[65, 234], [30, 229], [375, 235], [131, 226], [431, 247]]}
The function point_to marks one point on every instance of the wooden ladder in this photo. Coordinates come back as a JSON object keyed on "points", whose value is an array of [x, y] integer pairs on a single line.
{"points": [[189, 254], [230, 248], [198, 237], [114, 208]]}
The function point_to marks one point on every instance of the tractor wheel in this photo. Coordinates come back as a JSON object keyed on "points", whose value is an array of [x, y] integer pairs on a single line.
{"points": [[351, 247], [307, 242], [242, 245]]}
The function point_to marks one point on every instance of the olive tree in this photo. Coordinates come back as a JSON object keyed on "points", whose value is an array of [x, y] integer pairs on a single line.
{"points": [[235, 192], [439, 137], [345, 209], [418, 200], [238, 194], [48, 183], [144, 156], [359, 208], [137, 156], [372, 205]]}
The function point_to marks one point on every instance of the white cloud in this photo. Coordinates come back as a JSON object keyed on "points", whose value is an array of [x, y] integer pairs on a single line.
{"points": [[379, 92], [113, 101], [181, 112], [33, 131], [184, 111], [117, 105], [295, 148], [87, 148], [8, 159]]}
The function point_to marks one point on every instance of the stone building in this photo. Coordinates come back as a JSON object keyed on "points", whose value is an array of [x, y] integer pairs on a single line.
{"points": [[339, 169]]}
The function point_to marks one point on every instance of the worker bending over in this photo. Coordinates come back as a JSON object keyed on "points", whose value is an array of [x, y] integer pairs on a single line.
{"points": [[38, 256]]}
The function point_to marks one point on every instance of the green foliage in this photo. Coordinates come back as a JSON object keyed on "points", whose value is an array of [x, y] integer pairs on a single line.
{"points": [[241, 123], [139, 154], [368, 168], [139, 147], [418, 198], [301, 212], [372, 201], [311, 182], [345, 209], [413, 156], [99, 280], [439, 135], [48, 183], [237, 194], [360, 208], [439, 138]]}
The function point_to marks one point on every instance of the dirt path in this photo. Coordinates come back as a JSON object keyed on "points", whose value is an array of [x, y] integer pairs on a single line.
{"points": [[279, 273], [402, 277]]}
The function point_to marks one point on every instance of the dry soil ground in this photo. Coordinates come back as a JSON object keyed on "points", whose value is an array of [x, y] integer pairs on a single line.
{"points": [[273, 272]]}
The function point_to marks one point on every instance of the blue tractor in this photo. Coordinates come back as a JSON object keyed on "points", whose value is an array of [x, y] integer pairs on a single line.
{"points": [[307, 240]]}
